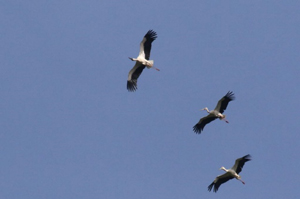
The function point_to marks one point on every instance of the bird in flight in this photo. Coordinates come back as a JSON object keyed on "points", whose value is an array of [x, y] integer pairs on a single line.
{"points": [[214, 114], [230, 173], [141, 61]]}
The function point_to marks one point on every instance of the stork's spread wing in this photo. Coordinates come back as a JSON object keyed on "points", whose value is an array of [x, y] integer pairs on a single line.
{"points": [[202, 122], [222, 103], [145, 46], [133, 75], [239, 163], [219, 180]]}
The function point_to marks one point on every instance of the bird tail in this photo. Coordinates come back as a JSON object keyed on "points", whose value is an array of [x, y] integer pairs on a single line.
{"points": [[222, 118], [149, 63]]}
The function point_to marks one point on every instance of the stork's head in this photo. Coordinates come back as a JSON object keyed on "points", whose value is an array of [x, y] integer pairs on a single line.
{"points": [[205, 109], [223, 168], [131, 58]]}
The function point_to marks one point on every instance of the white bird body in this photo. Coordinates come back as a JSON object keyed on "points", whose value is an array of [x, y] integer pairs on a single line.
{"points": [[214, 114], [230, 173], [141, 61]]}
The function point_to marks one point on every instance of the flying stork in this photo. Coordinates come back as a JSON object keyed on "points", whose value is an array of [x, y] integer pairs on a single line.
{"points": [[214, 114], [142, 60], [230, 173]]}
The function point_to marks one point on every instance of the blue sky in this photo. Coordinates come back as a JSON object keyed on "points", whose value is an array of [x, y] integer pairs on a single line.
{"points": [[70, 129]]}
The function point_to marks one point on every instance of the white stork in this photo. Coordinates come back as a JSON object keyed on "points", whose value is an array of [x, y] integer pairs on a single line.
{"points": [[142, 60], [214, 114], [230, 173]]}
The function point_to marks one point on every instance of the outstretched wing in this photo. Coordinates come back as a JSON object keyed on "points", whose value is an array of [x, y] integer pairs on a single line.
{"points": [[219, 180], [222, 103], [239, 163], [145, 46], [133, 75], [202, 122]]}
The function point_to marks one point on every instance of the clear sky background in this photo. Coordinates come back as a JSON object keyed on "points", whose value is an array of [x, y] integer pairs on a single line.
{"points": [[70, 129]]}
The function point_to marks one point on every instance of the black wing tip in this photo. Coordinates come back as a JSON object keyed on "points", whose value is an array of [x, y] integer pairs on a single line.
{"points": [[247, 157], [151, 34], [197, 129], [212, 185], [230, 95], [131, 86]]}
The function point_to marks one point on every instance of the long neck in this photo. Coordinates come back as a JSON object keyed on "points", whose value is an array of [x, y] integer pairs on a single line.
{"points": [[224, 169], [206, 109]]}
